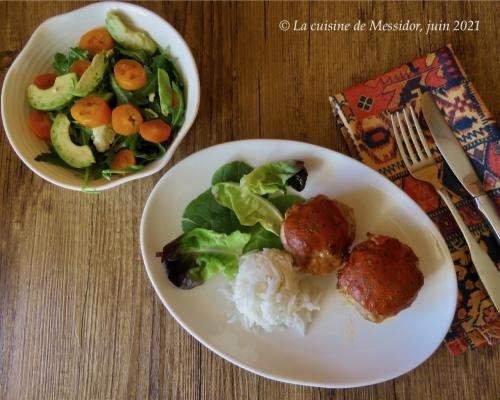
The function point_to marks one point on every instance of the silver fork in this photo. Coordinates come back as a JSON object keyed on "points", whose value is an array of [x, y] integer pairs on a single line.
{"points": [[418, 159]]}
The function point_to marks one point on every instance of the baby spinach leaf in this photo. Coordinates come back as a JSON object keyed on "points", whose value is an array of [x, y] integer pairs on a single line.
{"points": [[205, 212], [262, 239], [231, 172], [284, 202]]}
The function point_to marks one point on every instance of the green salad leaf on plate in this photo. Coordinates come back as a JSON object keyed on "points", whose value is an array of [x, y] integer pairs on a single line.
{"points": [[225, 222], [231, 172], [275, 177], [195, 256], [248, 207]]}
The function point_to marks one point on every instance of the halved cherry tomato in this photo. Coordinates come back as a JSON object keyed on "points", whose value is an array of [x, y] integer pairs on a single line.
{"points": [[96, 40], [91, 111], [155, 131], [79, 67], [123, 159], [130, 74], [44, 81], [40, 123], [126, 119]]}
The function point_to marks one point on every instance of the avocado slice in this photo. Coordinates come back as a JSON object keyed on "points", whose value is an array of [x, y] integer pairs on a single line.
{"points": [[54, 97], [73, 155], [128, 38], [164, 91], [92, 76]]}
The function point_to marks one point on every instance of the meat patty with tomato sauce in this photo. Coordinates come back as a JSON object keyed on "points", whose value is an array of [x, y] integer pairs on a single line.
{"points": [[318, 234], [381, 277]]}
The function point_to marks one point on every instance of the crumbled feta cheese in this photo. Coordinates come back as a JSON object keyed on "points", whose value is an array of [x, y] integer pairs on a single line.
{"points": [[103, 136]]}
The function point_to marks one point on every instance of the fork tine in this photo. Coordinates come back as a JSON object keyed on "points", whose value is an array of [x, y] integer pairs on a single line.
{"points": [[420, 133], [412, 135], [399, 143], [406, 140]]}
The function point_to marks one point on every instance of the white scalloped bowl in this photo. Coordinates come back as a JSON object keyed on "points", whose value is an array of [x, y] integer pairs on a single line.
{"points": [[58, 34]]}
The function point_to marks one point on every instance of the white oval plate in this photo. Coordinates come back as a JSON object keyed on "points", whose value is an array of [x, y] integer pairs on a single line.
{"points": [[340, 349]]}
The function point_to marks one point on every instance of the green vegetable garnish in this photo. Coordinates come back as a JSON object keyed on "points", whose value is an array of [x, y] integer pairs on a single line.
{"points": [[273, 177], [165, 92], [248, 207], [62, 63], [197, 255]]}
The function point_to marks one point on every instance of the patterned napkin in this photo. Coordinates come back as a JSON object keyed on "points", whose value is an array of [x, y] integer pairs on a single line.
{"points": [[362, 114]]}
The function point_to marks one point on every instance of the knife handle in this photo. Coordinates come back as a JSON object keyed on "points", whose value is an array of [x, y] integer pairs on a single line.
{"points": [[486, 269], [487, 208]]}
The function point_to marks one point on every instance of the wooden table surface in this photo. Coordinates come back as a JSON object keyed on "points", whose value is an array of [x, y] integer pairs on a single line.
{"points": [[78, 316]]}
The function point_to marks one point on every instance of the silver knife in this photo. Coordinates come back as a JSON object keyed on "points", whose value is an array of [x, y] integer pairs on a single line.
{"points": [[455, 157]]}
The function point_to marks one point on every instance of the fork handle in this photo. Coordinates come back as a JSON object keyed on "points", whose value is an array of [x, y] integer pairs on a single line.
{"points": [[486, 269]]}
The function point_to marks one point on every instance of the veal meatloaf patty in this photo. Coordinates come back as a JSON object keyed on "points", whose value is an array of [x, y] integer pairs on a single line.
{"points": [[381, 277], [318, 234]]}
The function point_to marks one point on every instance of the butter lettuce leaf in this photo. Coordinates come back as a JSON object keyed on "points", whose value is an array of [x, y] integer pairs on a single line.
{"points": [[249, 208], [196, 256], [275, 177]]}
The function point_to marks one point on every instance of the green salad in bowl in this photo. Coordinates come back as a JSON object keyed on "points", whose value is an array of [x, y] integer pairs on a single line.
{"points": [[113, 105]]}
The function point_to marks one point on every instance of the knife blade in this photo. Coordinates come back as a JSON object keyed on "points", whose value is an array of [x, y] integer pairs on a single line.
{"points": [[454, 154]]}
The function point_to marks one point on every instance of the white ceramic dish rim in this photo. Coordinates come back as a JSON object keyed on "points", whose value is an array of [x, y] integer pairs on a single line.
{"points": [[158, 164], [220, 353]]}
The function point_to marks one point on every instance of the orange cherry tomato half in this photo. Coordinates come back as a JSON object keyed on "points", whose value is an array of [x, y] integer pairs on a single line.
{"points": [[126, 119], [44, 81], [130, 74], [79, 67], [96, 40], [123, 159], [40, 123], [155, 131], [91, 111]]}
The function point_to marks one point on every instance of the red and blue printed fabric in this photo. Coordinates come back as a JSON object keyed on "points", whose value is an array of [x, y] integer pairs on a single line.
{"points": [[363, 114]]}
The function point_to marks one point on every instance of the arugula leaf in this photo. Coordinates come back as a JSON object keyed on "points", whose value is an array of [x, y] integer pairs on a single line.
{"points": [[52, 157], [151, 156], [122, 96], [107, 173], [138, 55], [62, 63]]}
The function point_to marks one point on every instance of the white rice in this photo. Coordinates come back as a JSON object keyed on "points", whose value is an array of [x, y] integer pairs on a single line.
{"points": [[269, 293]]}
